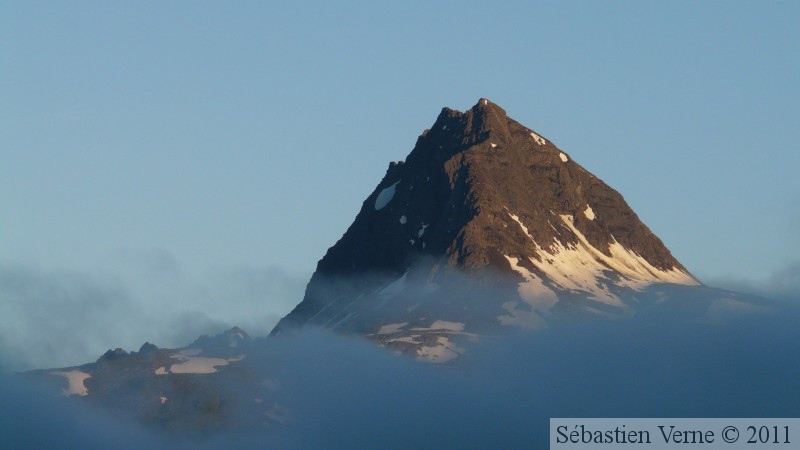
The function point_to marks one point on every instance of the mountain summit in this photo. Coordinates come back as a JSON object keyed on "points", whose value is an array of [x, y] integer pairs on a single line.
{"points": [[482, 195], [485, 230]]}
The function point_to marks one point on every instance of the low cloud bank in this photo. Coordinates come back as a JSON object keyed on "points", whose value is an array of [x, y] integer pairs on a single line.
{"points": [[783, 284], [56, 318], [342, 392], [32, 419]]}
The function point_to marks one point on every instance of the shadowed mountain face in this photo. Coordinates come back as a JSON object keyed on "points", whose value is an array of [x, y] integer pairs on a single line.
{"points": [[482, 195]]}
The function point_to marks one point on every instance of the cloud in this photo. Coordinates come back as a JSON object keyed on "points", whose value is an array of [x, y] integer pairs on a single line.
{"points": [[56, 316], [783, 284], [342, 392], [52, 318], [347, 395], [30, 418]]}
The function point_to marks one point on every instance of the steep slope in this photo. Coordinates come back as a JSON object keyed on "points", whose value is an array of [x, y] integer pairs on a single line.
{"points": [[482, 195]]}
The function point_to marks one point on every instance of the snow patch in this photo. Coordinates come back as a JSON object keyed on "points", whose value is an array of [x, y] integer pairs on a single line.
{"points": [[532, 290], [442, 351], [494, 145], [538, 139], [588, 212], [385, 197], [392, 328], [403, 220], [422, 230], [631, 265], [515, 218], [75, 379], [572, 269], [563, 157], [199, 364], [583, 268], [163, 399]]}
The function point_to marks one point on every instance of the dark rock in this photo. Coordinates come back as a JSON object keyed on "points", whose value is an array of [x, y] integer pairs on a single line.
{"points": [[478, 191], [147, 348], [114, 355]]}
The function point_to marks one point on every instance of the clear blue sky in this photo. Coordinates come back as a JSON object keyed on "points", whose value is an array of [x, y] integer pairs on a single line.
{"points": [[247, 134]]}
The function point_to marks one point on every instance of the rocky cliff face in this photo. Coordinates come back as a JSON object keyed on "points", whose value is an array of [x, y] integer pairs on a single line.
{"points": [[483, 196]]}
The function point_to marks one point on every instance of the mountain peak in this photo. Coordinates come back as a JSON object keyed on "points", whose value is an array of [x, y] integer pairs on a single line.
{"points": [[230, 339], [471, 126], [482, 194], [114, 355], [485, 105]]}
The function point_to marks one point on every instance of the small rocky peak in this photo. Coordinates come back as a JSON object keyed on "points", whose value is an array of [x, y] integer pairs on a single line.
{"points": [[147, 348], [114, 355]]}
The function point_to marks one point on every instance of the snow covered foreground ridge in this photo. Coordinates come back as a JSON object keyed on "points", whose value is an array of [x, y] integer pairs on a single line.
{"points": [[528, 233]]}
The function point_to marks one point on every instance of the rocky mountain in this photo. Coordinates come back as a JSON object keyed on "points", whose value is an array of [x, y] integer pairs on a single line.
{"points": [[207, 386], [486, 225], [485, 231]]}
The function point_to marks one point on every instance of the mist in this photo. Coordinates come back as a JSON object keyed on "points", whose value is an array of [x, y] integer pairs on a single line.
{"points": [[783, 284], [334, 391], [59, 317]]}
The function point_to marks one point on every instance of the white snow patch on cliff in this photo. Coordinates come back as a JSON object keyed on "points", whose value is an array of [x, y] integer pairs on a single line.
{"points": [[538, 139], [385, 197], [75, 379], [583, 268], [532, 290], [632, 266], [563, 157], [588, 212], [403, 220]]}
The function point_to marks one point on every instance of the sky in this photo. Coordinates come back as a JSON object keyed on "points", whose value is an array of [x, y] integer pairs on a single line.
{"points": [[196, 159]]}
